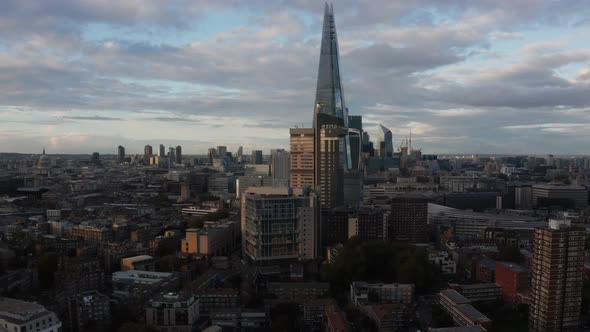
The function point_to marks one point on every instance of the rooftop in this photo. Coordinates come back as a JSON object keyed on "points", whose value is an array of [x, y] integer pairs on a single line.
{"points": [[18, 311], [514, 267], [472, 313], [137, 258], [454, 296]]}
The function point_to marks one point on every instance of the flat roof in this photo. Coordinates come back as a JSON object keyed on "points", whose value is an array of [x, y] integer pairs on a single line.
{"points": [[479, 286], [514, 267], [137, 258], [472, 313], [18, 311], [454, 296]]}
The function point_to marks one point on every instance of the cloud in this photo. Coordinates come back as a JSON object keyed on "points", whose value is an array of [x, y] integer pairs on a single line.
{"points": [[450, 70]]}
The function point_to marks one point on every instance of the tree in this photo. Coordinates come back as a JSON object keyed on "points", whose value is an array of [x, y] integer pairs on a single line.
{"points": [[46, 268], [286, 317]]}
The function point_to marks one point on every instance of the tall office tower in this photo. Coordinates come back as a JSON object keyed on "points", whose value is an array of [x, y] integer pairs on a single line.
{"points": [[408, 218], [222, 151], [179, 155], [147, 153], [557, 271], [279, 224], [240, 154], [331, 171], [211, 153], [355, 132], [256, 157], [171, 155], [332, 142], [302, 157], [95, 159], [162, 151], [384, 142], [121, 154], [280, 167]]}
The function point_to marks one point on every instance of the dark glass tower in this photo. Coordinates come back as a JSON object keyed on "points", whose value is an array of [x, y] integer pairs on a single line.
{"points": [[330, 108]]}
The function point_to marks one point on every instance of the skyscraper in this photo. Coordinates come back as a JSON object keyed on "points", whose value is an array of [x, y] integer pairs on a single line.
{"points": [[171, 155], [147, 153], [280, 167], [179, 154], [240, 154], [332, 143], [302, 157], [384, 142], [162, 151], [557, 272], [121, 154], [256, 157], [222, 151]]}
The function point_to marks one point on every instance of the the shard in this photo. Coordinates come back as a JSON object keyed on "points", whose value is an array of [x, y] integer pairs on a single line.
{"points": [[330, 108]]}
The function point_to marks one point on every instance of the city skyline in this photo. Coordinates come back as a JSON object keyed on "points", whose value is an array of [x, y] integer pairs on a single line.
{"points": [[465, 78]]}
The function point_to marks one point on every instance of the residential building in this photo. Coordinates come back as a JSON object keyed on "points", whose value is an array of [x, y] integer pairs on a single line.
{"points": [[121, 154], [443, 261], [147, 154], [179, 155], [557, 272], [512, 279], [89, 311], [173, 312], [389, 317], [384, 293], [298, 291], [22, 316]]}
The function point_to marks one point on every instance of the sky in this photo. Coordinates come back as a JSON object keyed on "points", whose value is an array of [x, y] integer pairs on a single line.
{"points": [[485, 76]]}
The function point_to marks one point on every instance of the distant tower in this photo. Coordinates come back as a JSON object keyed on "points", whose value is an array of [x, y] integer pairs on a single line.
{"points": [[384, 142], [240, 154], [179, 155], [147, 153], [257, 157], [121, 153], [171, 155], [222, 151], [95, 158], [302, 157], [280, 166], [162, 151]]}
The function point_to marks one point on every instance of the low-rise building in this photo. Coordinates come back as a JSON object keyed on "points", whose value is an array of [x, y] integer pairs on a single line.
{"points": [[216, 299], [335, 319], [298, 291], [125, 279], [360, 293], [512, 279], [89, 311], [460, 309], [479, 292], [142, 262], [389, 317], [441, 259], [17, 315]]}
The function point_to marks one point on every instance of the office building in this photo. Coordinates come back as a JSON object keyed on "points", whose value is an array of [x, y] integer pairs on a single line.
{"points": [[240, 154], [17, 315], [279, 224], [147, 154], [556, 277], [257, 158], [179, 155], [214, 239], [408, 218], [564, 196], [171, 155], [280, 167], [222, 151], [384, 142], [162, 151], [121, 154], [173, 312], [302, 173]]}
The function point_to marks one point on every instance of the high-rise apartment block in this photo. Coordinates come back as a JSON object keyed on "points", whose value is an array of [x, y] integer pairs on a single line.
{"points": [[557, 272], [279, 224], [162, 151], [302, 157]]}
